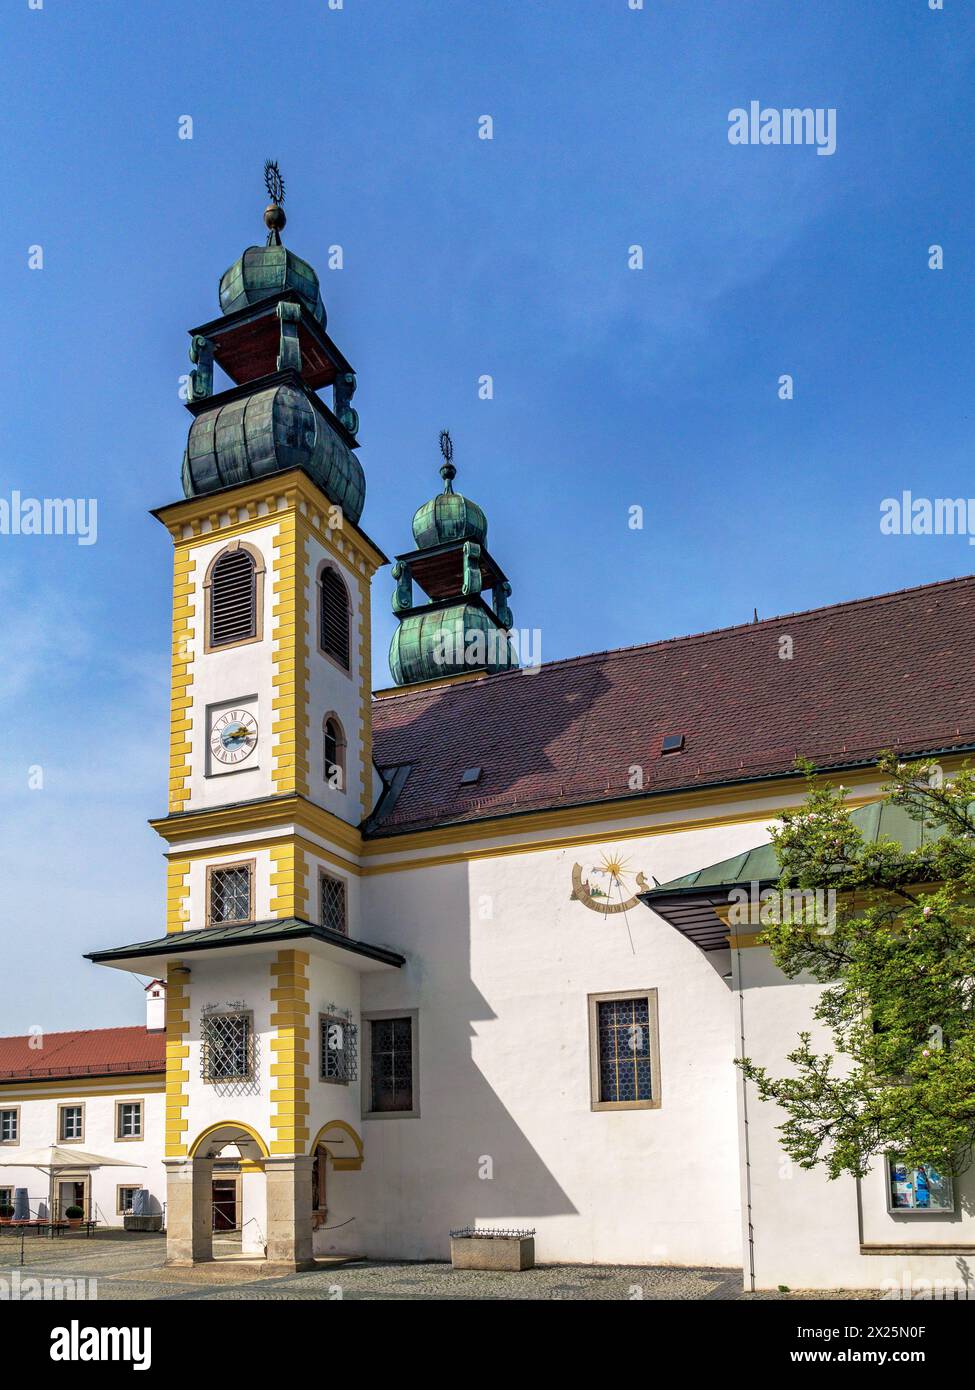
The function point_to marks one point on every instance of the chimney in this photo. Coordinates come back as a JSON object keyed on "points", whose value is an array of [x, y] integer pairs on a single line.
{"points": [[155, 1007]]}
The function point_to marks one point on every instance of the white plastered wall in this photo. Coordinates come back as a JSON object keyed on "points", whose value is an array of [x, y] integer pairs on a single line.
{"points": [[807, 1230], [39, 1128], [231, 674], [332, 690]]}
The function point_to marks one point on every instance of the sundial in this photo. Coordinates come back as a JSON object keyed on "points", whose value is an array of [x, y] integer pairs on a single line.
{"points": [[608, 887]]}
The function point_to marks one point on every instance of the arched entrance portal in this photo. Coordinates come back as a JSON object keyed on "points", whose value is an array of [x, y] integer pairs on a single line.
{"points": [[217, 1196], [238, 1189], [336, 1150]]}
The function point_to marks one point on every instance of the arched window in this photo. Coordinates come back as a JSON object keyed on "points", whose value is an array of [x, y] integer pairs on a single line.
{"points": [[233, 597], [333, 613], [334, 740]]}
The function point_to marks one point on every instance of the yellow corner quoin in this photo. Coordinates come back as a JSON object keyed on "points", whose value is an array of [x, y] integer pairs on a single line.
{"points": [[181, 698], [177, 1056], [177, 894], [289, 1047], [289, 879]]}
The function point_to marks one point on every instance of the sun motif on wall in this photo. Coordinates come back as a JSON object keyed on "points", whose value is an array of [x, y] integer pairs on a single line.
{"points": [[610, 886]]}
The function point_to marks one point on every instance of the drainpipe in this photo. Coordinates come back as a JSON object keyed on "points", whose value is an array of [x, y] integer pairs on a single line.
{"points": [[744, 1150]]}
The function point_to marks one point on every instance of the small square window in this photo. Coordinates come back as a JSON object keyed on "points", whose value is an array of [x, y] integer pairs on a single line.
{"points": [[333, 904], [470, 776], [126, 1200], [229, 894], [128, 1120], [9, 1126], [673, 743], [917, 1190], [71, 1123], [624, 1051]]}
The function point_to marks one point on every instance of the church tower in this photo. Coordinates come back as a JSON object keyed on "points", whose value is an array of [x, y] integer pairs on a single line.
{"points": [[456, 631], [271, 770]]}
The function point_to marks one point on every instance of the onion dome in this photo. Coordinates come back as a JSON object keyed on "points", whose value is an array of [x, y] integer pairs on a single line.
{"points": [[268, 430], [437, 643], [450, 516], [265, 270]]}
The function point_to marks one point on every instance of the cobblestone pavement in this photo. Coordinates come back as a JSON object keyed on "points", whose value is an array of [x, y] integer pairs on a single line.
{"points": [[131, 1267]]}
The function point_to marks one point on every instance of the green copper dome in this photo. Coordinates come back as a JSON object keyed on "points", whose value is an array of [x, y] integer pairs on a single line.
{"points": [[272, 429], [265, 270], [449, 517], [443, 642]]}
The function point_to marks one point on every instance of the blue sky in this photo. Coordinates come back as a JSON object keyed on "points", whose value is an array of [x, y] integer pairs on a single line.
{"points": [[612, 387]]}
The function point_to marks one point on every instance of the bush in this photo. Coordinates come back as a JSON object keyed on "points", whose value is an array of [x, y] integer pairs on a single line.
{"points": [[73, 1213]]}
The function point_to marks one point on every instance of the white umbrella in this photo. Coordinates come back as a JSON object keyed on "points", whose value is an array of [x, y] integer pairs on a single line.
{"points": [[55, 1158]]}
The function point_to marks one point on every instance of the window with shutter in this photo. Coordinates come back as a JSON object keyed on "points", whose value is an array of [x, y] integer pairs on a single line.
{"points": [[233, 599], [334, 617]]}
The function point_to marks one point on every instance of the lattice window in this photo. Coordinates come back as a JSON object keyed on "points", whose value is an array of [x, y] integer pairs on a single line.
{"points": [[391, 1063], [334, 617], [333, 904], [339, 1049], [230, 894], [233, 599], [624, 1042], [8, 1126], [227, 1053]]}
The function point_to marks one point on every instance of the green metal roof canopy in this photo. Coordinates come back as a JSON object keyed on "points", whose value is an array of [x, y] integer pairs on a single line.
{"points": [[142, 955], [688, 903]]}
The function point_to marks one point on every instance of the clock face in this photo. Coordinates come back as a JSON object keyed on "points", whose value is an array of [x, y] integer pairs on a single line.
{"points": [[233, 736]]}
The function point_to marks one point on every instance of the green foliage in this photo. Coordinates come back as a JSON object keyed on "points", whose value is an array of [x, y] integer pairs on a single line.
{"points": [[898, 966]]}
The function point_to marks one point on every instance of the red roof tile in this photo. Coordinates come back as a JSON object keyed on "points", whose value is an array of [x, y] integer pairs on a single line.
{"points": [[888, 672], [92, 1052]]}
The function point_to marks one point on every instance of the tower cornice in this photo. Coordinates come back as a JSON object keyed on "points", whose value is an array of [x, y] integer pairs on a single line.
{"points": [[235, 509]]}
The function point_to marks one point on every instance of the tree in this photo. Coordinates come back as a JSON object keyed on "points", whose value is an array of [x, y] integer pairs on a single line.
{"points": [[897, 959]]}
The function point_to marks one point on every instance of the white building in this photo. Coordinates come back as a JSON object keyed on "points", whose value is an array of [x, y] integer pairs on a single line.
{"points": [[410, 984], [94, 1093]]}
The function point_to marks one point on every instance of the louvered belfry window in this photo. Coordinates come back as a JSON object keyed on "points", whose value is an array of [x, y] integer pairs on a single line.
{"points": [[233, 599], [334, 605]]}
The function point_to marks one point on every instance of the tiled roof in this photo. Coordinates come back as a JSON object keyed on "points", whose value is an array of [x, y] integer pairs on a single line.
{"points": [[888, 672], [91, 1052]]}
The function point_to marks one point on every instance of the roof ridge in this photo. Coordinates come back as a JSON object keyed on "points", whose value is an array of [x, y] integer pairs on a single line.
{"points": [[708, 634]]}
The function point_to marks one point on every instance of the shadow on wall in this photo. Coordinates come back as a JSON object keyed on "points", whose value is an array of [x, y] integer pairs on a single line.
{"points": [[466, 1159]]}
